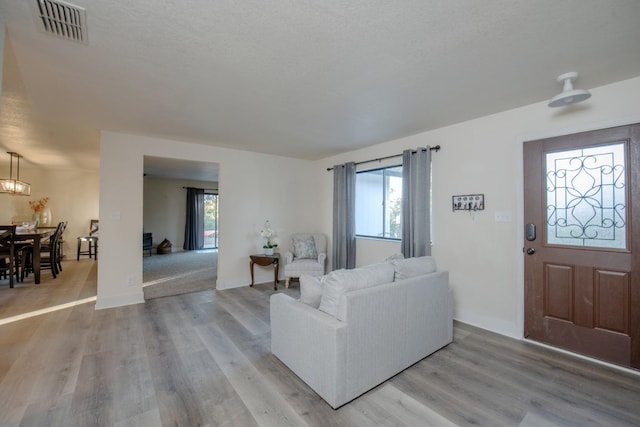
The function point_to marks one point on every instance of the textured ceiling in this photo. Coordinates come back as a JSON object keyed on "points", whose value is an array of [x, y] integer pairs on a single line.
{"points": [[302, 79]]}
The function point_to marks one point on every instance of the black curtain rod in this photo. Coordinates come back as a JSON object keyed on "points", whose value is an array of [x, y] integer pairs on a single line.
{"points": [[436, 148], [205, 189]]}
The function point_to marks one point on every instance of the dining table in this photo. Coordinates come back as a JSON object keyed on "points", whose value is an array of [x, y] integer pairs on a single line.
{"points": [[34, 236]]}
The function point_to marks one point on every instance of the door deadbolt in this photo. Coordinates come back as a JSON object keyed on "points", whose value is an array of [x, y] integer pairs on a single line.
{"points": [[531, 251], [530, 232]]}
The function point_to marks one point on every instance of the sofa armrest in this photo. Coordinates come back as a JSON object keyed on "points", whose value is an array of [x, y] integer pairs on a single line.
{"points": [[288, 257], [312, 344], [322, 257]]}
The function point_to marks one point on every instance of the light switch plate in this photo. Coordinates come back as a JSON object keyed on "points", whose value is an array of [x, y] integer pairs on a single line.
{"points": [[503, 216]]}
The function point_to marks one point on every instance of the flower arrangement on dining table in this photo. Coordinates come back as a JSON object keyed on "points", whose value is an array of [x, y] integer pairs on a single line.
{"points": [[268, 234], [38, 205]]}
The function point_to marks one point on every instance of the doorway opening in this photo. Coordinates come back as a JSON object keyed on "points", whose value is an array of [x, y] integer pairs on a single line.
{"points": [[166, 184]]}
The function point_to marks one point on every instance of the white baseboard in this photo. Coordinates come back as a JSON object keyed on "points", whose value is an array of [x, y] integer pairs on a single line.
{"points": [[230, 284], [492, 324], [119, 300], [513, 331]]}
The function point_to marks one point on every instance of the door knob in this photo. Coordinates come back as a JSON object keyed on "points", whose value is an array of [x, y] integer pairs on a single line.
{"points": [[531, 251]]}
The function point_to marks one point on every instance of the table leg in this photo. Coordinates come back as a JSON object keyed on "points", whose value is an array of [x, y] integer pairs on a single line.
{"points": [[251, 263], [275, 275], [36, 259]]}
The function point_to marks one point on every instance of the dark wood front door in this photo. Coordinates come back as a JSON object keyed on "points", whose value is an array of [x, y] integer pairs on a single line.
{"points": [[582, 243]]}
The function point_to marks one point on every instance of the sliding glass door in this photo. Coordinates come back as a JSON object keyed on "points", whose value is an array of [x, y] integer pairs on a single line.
{"points": [[210, 206]]}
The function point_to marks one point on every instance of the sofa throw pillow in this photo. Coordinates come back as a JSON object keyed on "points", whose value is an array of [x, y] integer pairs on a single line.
{"points": [[382, 273], [311, 289], [341, 281], [304, 247], [394, 257], [412, 267]]}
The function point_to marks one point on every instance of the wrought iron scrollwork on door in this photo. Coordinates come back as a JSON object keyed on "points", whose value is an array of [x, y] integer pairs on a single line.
{"points": [[586, 197]]}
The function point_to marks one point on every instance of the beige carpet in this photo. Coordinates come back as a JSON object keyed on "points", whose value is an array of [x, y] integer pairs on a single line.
{"points": [[179, 273]]}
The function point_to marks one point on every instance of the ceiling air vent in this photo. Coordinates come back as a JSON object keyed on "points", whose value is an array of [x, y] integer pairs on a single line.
{"points": [[61, 19]]}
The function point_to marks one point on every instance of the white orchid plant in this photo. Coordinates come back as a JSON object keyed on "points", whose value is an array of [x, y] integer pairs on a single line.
{"points": [[268, 234]]}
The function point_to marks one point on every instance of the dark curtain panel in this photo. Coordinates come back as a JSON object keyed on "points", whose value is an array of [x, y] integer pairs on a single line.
{"points": [[194, 226], [344, 216], [416, 217]]}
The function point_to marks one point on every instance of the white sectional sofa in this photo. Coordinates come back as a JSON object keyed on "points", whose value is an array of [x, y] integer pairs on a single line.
{"points": [[353, 329]]}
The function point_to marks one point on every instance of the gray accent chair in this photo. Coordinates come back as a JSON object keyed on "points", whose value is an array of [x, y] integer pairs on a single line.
{"points": [[295, 266]]}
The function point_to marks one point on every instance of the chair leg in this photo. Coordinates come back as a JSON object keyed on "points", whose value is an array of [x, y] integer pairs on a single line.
{"points": [[11, 268], [286, 283], [59, 257], [7, 267], [54, 269], [54, 265], [92, 250], [23, 265], [16, 265]]}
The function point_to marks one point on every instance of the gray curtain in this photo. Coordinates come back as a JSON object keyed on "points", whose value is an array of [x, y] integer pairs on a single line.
{"points": [[194, 226], [416, 217], [344, 216]]}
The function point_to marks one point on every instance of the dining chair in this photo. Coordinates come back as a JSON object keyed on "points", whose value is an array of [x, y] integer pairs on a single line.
{"points": [[147, 243], [91, 239], [59, 245], [49, 251], [7, 253]]}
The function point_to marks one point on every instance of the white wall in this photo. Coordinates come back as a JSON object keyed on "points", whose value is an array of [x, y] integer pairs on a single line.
{"points": [[370, 251], [484, 257], [165, 208], [253, 187], [73, 194], [2, 36], [73, 197]]}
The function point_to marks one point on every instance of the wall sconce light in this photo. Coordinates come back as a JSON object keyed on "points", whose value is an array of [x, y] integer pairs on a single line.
{"points": [[15, 186]]}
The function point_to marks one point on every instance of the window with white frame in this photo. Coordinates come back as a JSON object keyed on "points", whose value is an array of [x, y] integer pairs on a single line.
{"points": [[379, 203]]}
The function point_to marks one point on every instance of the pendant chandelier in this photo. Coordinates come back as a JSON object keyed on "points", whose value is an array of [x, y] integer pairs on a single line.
{"points": [[11, 185]]}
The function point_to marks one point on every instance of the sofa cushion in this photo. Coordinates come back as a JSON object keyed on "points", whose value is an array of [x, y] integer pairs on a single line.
{"points": [[340, 281], [304, 247], [412, 267], [304, 266], [311, 289]]}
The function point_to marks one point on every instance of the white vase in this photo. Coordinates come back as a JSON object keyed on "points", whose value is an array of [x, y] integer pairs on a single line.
{"points": [[45, 217], [268, 251]]}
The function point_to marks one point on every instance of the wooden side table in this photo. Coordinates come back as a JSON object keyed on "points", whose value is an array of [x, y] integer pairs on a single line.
{"points": [[263, 261]]}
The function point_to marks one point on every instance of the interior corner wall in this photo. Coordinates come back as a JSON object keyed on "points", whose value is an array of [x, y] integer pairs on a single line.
{"points": [[485, 257], [253, 187]]}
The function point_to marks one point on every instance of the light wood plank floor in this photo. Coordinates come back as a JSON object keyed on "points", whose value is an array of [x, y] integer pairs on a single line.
{"points": [[203, 359]]}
